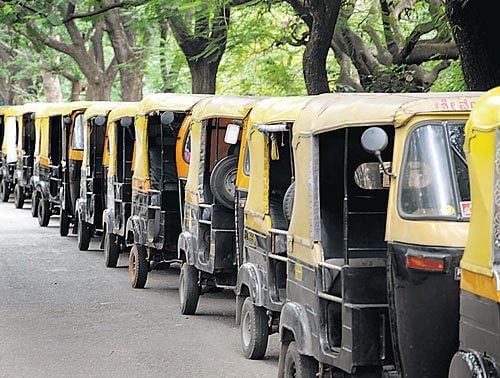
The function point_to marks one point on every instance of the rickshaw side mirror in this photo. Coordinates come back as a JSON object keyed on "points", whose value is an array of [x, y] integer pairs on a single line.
{"points": [[374, 140], [67, 120], [126, 121], [100, 120], [232, 133], [32, 116], [167, 117]]}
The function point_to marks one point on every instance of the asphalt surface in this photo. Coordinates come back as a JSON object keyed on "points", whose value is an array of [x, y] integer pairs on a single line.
{"points": [[64, 314]]}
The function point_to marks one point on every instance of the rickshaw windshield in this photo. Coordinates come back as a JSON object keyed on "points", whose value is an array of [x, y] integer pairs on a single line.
{"points": [[434, 181], [78, 130]]}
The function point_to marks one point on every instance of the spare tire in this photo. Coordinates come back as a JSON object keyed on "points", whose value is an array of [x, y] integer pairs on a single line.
{"points": [[288, 202], [223, 181]]}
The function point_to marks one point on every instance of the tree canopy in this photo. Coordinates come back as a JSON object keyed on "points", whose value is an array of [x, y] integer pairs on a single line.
{"points": [[123, 49]]}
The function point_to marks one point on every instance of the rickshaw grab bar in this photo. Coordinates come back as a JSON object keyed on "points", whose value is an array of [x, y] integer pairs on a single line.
{"points": [[330, 297], [272, 128], [329, 266], [278, 231], [277, 257]]}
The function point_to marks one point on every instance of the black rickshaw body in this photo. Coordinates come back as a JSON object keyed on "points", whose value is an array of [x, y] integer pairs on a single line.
{"points": [[157, 185], [368, 291]]}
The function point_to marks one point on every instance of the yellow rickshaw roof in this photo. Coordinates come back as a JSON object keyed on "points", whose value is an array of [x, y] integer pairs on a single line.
{"points": [[100, 108], [486, 114], [169, 101], [17, 110], [62, 108], [126, 109], [333, 111], [223, 107], [277, 109]]}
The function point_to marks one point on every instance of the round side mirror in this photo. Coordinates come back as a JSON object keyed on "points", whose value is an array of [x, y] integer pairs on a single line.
{"points": [[67, 120], [374, 140], [32, 116], [126, 121], [167, 118], [100, 120]]}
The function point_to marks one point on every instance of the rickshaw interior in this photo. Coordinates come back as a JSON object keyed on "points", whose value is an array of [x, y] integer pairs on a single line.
{"points": [[29, 138], [55, 137], [162, 139], [125, 153], [353, 211]]}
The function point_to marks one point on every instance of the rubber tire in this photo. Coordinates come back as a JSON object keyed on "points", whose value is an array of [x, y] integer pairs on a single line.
{"points": [[189, 290], [34, 204], [299, 365], [221, 191], [84, 235], [138, 267], [258, 330], [4, 191], [111, 250], [43, 212], [18, 196], [64, 223], [288, 202]]}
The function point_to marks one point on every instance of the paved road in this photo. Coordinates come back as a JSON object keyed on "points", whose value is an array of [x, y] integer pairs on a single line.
{"points": [[62, 313]]}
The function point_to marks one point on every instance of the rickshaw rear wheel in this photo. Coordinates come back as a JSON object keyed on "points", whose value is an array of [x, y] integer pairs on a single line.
{"points": [[288, 202], [111, 250], [34, 204], [64, 223], [189, 289], [254, 330], [83, 235], [299, 365], [138, 267], [18, 196], [4, 191], [43, 212]]}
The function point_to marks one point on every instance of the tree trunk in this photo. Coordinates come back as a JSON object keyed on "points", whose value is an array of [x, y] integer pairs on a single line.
{"points": [[321, 17], [475, 27], [99, 90], [130, 84], [51, 87], [203, 75]]}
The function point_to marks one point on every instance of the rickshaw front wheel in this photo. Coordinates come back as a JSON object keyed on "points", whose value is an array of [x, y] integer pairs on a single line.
{"points": [[299, 365], [111, 250], [189, 289], [138, 267], [4, 191], [83, 235], [64, 223], [43, 212], [34, 204], [254, 330], [18, 196]]}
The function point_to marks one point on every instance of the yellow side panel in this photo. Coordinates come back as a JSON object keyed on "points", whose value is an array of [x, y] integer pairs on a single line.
{"points": [[480, 284], [182, 165], [478, 256], [44, 138], [112, 148], [141, 150], [257, 206], [242, 180]]}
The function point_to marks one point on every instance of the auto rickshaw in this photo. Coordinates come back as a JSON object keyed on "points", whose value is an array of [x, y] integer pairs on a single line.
{"points": [[479, 352], [119, 154], [58, 160], [91, 203], [161, 125], [25, 152], [265, 174], [378, 227], [9, 133], [207, 244]]}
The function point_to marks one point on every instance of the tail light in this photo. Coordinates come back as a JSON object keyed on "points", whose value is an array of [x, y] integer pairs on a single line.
{"points": [[425, 263]]}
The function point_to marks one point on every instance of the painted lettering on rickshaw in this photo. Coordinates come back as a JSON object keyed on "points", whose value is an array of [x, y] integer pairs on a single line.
{"points": [[464, 104]]}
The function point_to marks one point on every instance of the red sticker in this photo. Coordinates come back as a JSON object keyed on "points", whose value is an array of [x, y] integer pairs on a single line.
{"points": [[465, 208]]}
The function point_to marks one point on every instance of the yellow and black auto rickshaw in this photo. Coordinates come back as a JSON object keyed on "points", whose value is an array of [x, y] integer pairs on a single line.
{"points": [[58, 159], [207, 244], [25, 152], [91, 202], [378, 227], [119, 160], [265, 175], [155, 222], [479, 352], [9, 133]]}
